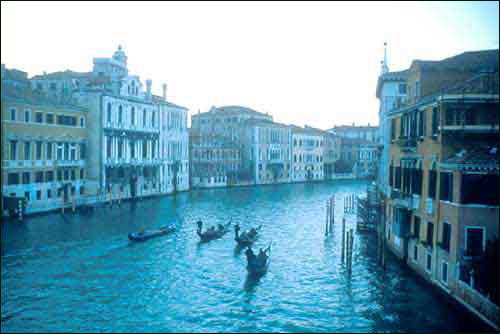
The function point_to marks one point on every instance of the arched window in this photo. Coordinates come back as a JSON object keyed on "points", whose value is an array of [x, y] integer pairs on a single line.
{"points": [[109, 112], [120, 114], [132, 116], [144, 118]]}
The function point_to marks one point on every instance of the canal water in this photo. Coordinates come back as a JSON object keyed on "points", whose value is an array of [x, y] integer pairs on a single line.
{"points": [[80, 273]]}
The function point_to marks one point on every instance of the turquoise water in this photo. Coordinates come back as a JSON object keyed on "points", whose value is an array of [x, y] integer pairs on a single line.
{"points": [[80, 273]]}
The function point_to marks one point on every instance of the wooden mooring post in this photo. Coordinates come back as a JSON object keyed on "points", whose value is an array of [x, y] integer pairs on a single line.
{"points": [[330, 215], [342, 256], [62, 205]]}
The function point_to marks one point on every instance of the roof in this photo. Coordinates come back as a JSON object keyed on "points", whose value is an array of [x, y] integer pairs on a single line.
{"points": [[482, 83], [16, 75], [29, 96], [62, 75], [159, 99], [470, 61], [306, 130], [262, 122], [232, 110], [390, 76], [354, 127], [485, 157]]}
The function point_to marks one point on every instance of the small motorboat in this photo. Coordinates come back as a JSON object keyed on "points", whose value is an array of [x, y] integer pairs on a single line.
{"points": [[211, 233], [246, 238], [255, 266], [143, 236]]}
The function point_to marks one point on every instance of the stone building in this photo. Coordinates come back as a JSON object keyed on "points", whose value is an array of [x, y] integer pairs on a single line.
{"points": [[44, 147], [442, 209], [266, 151], [215, 161], [307, 152], [140, 140]]}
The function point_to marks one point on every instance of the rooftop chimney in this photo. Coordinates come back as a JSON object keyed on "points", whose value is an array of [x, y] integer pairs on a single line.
{"points": [[148, 88], [164, 91]]}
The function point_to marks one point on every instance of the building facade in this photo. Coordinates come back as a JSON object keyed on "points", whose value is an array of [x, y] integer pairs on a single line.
{"points": [[44, 149], [307, 152], [442, 208], [215, 161], [266, 151]]}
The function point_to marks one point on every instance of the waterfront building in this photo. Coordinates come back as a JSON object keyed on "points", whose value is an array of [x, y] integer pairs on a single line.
{"points": [[368, 132], [307, 152], [391, 92], [44, 146], [139, 141], [266, 151], [225, 121], [215, 160], [442, 209]]}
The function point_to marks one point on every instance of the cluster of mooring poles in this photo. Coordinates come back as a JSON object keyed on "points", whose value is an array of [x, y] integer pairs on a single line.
{"points": [[349, 203], [347, 246], [330, 215]]}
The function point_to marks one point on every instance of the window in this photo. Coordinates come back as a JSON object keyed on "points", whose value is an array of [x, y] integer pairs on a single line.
{"points": [[27, 150], [82, 175], [12, 179], [82, 190], [108, 147], [49, 118], [397, 183], [38, 195], [391, 175], [144, 148], [27, 195], [428, 263], [402, 88], [66, 174], [432, 184], [66, 120], [144, 118], [153, 119], [444, 272], [38, 150], [27, 115], [53, 86], [59, 175], [82, 151], [12, 114], [477, 189], [26, 177], [446, 189], [416, 227], [66, 151], [417, 88], [73, 151], [49, 194], [13, 150], [393, 129], [49, 151], [132, 149], [49, 176], [430, 233], [445, 238], [435, 121], [415, 253], [38, 177], [120, 114], [108, 112], [474, 241], [82, 122], [120, 148], [73, 175], [132, 116], [38, 117], [60, 148]]}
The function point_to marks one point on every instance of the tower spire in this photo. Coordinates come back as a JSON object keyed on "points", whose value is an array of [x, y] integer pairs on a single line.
{"points": [[385, 66]]}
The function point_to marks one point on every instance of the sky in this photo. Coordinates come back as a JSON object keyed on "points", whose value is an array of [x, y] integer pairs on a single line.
{"points": [[313, 63]]}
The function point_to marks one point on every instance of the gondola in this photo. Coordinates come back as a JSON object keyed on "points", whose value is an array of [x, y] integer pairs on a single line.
{"points": [[209, 235], [257, 269], [244, 239], [138, 236]]}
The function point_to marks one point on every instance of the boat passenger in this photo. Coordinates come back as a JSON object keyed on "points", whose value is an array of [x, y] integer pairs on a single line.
{"points": [[220, 227], [250, 255], [252, 233], [262, 257]]}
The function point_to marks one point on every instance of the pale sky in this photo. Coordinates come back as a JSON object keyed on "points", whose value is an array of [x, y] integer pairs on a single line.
{"points": [[312, 63]]}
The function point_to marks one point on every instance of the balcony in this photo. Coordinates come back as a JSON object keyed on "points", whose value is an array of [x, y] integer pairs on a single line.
{"points": [[470, 121], [407, 144]]}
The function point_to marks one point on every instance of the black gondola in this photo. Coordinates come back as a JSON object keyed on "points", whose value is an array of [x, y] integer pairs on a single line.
{"points": [[255, 266], [211, 234], [246, 238], [143, 236]]}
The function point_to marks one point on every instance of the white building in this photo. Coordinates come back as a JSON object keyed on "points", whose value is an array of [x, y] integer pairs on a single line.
{"points": [[391, 92], [307, 153]]}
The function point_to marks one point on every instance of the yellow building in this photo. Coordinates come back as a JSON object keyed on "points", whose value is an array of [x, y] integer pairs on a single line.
{"points": [[443, 206], [43, 149]]}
